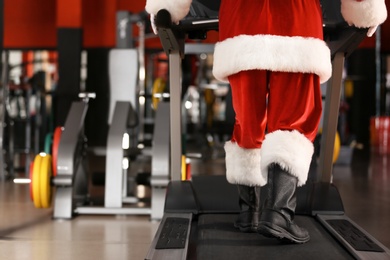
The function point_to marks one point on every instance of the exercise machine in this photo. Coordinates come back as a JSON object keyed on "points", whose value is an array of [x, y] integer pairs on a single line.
{"points": [[125, 115], [71, 181], [199, 215], [127, 66]]}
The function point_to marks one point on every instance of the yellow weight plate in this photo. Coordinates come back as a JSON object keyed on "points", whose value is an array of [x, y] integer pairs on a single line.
{"points": [[36, 181], [44, 185], [157, 91], [337, 144], [31, 171], [183, 168], [336, 150]]}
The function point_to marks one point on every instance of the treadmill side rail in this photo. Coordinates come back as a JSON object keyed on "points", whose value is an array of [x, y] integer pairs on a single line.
{"points": [[356, 240], [175, 253]]}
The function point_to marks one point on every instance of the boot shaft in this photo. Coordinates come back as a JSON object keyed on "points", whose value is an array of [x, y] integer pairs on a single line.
{"points": [[282, 191], [249, 197], [249, 202]]}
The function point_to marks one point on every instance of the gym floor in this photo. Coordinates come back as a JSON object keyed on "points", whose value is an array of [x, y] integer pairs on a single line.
{"points": [[29, 233]]}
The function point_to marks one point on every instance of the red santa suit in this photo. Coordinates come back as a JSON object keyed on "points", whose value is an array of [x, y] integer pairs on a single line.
{"points": [[273, 54]]}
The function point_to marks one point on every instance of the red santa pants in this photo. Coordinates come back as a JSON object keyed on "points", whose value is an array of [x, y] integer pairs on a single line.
{"points": [[266, 101]]}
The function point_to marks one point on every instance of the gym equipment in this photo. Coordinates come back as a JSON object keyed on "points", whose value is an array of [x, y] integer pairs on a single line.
{"points": [[336, 149], [3, 94], [115, 174], [35, 180], [18, 122], [40, 185], [55, 145], [71, 179], [31, 180], [45, 181], [199, 215], [127, 66], [72, 195], [125, 69], [159, 86], [48, 143], [40, 175]]}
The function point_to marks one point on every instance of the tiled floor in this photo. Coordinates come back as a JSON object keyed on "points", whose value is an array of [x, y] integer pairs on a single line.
{"points": [[29, 233]]}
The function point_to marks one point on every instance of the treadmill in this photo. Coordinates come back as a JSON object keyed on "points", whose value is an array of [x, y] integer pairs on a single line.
{"points": [[199, 214]]}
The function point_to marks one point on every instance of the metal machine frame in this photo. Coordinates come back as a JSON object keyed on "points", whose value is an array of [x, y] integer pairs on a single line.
{"points": [[71, 183]]}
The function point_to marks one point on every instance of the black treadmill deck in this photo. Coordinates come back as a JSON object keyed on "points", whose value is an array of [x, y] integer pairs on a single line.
{"points": [[218, 239]]}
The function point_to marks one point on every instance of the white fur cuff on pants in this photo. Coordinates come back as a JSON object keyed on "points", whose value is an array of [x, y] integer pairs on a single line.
{"points": [[291, 150], [243, 166]]}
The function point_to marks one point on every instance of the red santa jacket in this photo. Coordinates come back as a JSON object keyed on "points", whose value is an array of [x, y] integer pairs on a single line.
{"points": [[276, 35]]}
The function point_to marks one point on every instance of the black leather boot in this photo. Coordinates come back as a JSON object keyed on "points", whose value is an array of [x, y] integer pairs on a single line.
{"points": [[249, 201], [277, 218]]}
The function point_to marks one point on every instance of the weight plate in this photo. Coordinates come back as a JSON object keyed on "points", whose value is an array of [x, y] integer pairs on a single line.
{"points": [[45, 177], [48, 143], [183, 168], [31, 180], [157, 91], [36, 181], [336, 148], [56, 143]]}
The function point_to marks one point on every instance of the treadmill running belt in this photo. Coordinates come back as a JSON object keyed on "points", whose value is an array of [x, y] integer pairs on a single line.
{"points": [[357, 239], [218, 239]]}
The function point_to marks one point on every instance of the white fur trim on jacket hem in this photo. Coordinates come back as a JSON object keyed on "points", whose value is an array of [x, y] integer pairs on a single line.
{"points": [[243, 166], [274, 53], [177, 8], [291, 150], [364, 14]]}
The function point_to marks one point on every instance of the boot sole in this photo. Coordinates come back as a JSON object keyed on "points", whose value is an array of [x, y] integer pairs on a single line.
{"points": [[269, 230]]}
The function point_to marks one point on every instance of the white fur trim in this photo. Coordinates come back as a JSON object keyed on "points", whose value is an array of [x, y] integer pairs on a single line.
{"points": [[177, 8], [364, 14], [291, 150], [243, 166], [272, 52]]}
